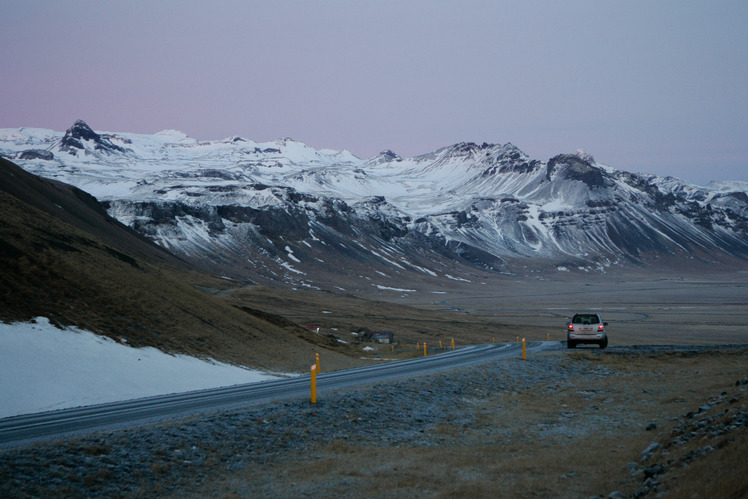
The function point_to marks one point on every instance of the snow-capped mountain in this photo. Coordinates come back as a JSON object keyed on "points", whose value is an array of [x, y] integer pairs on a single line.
{"points": [[285, 211]]}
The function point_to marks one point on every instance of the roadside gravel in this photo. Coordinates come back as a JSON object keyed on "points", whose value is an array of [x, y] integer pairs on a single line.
{"points": [[184, 457]]}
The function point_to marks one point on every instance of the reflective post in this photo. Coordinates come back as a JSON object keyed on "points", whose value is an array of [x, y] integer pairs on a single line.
{"points": [[424, 349], [524, 350], [314, 384], [317, 364]]}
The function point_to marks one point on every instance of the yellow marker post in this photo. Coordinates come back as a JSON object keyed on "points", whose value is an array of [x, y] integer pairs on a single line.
{"points": [[317, 363], [549, 336], [424, 349], [440, 344], [453, 343], [493, 340], [517, 339], [524, 350], [314, 384]]}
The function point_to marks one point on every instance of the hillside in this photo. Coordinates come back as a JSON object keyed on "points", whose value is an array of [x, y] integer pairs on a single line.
{"points": [[62, 257]]}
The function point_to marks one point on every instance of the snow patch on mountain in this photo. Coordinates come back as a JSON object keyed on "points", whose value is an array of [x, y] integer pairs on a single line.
{"points": [[289, 205]]}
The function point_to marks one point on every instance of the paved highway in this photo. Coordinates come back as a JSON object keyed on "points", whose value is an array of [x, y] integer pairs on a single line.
{"points": [[19, 430]]}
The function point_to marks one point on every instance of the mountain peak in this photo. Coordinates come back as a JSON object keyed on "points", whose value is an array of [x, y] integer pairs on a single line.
{"points": [[80, 132], [389, 155], [574, 167], [384, 157], [172, 134]]}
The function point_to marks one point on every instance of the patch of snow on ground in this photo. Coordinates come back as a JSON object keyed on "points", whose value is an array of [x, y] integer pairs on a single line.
{"points": [[456, 278], [387, 288], [289, 251], [290, 267], [556, 205], [43, 368]]}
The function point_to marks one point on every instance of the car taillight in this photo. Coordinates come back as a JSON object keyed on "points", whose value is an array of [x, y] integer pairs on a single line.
{"points": [[571, 327], [600, 327]]}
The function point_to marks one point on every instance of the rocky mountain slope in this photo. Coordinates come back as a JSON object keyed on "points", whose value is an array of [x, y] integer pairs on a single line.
{"points": [[285, 212], [64, 258]]}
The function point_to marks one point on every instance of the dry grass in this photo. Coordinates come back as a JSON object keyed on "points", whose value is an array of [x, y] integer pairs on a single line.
{"points": [[571, 439], [723, 472], [55, 270], [342, 314]]}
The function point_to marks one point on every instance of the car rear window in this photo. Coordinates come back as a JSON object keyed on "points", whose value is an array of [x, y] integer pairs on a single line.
{"points": [[585, 319]]}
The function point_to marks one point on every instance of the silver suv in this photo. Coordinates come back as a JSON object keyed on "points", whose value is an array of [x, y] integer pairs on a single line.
{"points": [[586, 328]]}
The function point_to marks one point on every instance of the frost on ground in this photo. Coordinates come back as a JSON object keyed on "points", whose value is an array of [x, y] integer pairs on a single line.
{"points": [[564, 424], [44, 368]]}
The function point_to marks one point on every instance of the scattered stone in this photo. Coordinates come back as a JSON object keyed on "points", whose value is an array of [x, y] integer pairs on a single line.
{"points": [[654, 470], [651, 426], [634, 469], [651, 449]]}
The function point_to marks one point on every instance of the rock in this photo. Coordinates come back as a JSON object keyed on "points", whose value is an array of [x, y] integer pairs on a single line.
{"points": [[634, 469], [654, 470], [651, 449], [36, 154], [650, 427]]}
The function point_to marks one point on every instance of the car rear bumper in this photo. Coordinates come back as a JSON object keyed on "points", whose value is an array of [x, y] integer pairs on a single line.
{"points": [[585, 338]]}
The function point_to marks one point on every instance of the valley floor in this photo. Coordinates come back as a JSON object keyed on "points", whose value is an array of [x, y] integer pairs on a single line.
{"points": [[638, 420]]}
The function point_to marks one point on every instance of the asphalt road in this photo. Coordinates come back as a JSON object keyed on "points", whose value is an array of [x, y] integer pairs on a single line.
{"points": [[20, 430]]}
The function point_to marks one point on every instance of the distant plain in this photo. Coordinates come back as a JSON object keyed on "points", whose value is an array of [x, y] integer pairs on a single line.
{"points": [[641, 307]]}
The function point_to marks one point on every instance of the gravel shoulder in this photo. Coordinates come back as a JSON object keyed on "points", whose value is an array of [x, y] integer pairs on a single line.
{"points": [[632, 420]]}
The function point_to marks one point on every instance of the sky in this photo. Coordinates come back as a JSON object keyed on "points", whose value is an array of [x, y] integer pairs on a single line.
{"points": [[652, 87]]}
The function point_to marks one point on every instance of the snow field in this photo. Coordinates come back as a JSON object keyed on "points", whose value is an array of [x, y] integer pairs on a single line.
{"points": [[43, 368]]}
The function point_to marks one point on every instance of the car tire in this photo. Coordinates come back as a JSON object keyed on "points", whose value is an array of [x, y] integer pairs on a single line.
{"points": [[604, 343]]}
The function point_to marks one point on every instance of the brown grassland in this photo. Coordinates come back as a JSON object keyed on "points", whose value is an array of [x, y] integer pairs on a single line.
{"points": [[574, 439]]}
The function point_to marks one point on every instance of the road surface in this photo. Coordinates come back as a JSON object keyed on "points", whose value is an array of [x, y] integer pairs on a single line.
{"points": [[23, 429]]}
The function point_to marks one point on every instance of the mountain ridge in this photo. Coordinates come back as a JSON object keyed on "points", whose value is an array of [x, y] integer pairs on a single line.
{"points": [[283, 211]]}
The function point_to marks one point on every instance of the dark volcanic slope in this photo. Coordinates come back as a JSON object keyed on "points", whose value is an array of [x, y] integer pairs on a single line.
{"points": [[79, 209], [63, 258]]}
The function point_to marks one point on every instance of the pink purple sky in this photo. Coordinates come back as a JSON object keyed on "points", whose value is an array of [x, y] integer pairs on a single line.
{"points": [[644, 86]]}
